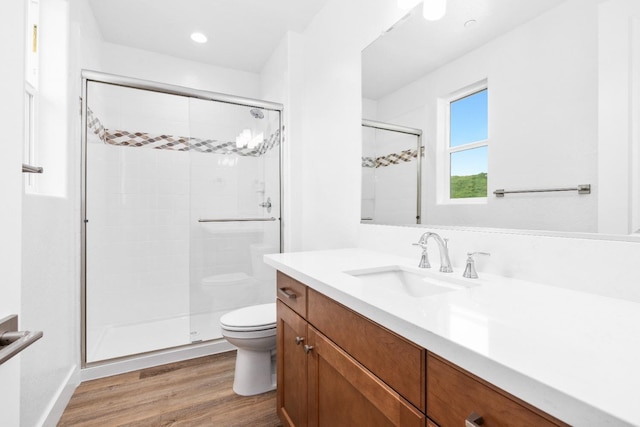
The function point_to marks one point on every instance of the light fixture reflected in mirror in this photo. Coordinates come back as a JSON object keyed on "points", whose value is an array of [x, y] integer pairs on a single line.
{"points": [[407, 4], [433, 10], [198, 37]]}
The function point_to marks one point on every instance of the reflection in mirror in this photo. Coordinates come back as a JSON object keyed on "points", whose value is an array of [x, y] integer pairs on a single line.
{"points": [[541, 70], [391, 173]]}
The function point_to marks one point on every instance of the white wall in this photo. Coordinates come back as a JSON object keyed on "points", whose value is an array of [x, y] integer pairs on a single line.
{"points": [[50, 232], [543, 109], [330, 117], [12, 17], [126, 61], [618, 122]]}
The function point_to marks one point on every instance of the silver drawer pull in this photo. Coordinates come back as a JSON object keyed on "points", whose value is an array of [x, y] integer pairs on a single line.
{"points": [[473, 420], [287, 293], [299, 340], [308, 348]]}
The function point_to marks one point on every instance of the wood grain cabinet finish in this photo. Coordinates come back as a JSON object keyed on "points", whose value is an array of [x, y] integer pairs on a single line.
{"points": [[343, 393], [320, 384], [292, 293], [291, 367], [395, 360], [454, 394]]}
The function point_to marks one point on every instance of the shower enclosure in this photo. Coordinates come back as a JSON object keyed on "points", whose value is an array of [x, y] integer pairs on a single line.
{"points": [[181, 199], [391, 174]]}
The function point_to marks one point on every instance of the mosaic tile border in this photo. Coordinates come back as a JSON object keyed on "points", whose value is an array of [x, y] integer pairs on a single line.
{"points": [[125, 138], [390, 159]]}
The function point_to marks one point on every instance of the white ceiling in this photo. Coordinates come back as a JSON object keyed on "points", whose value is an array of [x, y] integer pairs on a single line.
{"points": [[415, 47], [242, 33]]}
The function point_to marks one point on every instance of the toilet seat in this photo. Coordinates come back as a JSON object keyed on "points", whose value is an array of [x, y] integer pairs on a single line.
{"points": [[250, 319]]}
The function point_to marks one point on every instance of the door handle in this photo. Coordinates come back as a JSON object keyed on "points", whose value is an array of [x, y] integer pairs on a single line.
{"points": [[13, 341]]}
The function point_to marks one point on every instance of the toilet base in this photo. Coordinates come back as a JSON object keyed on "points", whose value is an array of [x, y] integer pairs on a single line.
{"points": [[253, 373]]}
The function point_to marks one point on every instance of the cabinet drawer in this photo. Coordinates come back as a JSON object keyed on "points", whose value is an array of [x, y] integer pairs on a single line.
{"points": [[453, 394], [292, 293], [396, 361]]}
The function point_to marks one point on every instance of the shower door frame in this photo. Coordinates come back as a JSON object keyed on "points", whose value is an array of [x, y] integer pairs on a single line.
{"points": [[133, 83], [373, 124]]}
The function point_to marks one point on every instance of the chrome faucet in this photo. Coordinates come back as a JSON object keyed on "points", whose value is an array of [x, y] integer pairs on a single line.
{"points": [[445, 263]]}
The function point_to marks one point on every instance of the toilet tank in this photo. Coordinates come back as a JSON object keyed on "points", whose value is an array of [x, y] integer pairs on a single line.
{"points": [[260, 270]]}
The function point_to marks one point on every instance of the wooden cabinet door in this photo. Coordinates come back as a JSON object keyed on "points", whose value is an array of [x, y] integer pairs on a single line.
{"points": [[454, 394], [398, 362], [291, 367], [343, 393]]}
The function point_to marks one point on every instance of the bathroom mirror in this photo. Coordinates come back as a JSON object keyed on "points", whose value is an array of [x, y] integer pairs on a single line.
{"points": [[516, 95]]}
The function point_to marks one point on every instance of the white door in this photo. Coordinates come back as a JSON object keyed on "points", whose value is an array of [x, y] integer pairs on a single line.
{"points": [[12, 23]]}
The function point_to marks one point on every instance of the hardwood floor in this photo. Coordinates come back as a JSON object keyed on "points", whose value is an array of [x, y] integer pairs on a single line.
{"points": [[192, 393]]}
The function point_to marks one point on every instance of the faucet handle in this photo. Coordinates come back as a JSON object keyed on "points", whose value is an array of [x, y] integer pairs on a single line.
{"points": [[471, 254], [470, 270], [424, 258]]}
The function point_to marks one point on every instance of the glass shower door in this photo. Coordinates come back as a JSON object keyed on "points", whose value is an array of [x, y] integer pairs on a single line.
{"points": [[234, 210], [137, 222]]}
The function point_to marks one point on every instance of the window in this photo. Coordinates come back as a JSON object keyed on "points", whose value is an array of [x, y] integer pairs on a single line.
{"points": [[467, 144], [31, 92]]}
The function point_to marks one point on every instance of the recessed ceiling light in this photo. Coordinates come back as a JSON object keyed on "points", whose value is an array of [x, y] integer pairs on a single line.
{"points": [[198, 37]]}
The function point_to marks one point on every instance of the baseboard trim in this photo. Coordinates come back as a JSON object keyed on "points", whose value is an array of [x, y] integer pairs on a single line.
{"points": [[62, 397], [154, 359]]}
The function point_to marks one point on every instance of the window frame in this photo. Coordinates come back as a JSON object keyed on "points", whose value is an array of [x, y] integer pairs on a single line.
{"points": [[31, 92], [447, 151]]}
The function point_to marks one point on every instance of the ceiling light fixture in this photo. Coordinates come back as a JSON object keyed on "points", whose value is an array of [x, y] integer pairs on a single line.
{"points": [[434, 9], [407, 4], [198, 37]]}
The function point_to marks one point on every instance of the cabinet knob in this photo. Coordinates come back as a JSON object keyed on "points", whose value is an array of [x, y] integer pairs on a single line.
{"points": [[308, 348], [299, 340], [473, 420]]}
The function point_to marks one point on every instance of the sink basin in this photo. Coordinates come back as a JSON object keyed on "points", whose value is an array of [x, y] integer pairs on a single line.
{"points": [[411, 282]]}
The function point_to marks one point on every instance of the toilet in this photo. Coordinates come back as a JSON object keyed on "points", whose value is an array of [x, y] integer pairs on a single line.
{"points": [[253, 330]]}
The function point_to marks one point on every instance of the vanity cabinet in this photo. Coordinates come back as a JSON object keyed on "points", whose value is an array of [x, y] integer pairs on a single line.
{"points": [[291, 367], [320, 383], [338, 368]]}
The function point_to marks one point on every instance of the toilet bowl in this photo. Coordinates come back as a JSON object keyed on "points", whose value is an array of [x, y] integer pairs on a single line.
{"points": [[253, 331]]}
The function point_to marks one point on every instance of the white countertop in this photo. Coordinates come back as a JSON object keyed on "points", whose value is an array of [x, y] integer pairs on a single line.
{"points": [[574, 355]]}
